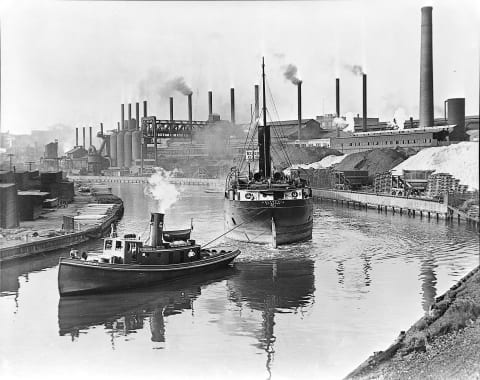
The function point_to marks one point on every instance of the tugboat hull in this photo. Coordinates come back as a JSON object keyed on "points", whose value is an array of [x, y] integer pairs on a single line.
{"points": [[252, 221], [76, 276]]}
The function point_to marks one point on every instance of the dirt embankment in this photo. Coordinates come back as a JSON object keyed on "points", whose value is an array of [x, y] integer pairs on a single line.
{"points": [[375, 161], [445, 344]]}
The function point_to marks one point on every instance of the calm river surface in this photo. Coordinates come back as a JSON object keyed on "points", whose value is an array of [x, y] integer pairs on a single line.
{"points": [[308, 311]]}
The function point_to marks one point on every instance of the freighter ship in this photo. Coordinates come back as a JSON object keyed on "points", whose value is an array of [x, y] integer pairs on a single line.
{"points": [[266, 207]]}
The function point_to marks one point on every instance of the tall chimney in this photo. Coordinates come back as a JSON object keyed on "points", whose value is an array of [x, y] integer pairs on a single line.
{"points": [[426, 70], [76, 136], [101, 129], [210, 105], [83, 137], [144, 108], [122, 116], [137, 115], [257, 106], [90, 136], [337, 96], [129, 116], [299, 86], [232, 105], [364, 119], [171, 110], [190, 110], [118, 126]]}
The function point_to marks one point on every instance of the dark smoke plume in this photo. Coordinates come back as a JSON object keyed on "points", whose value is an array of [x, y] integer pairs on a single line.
{"points": [[355, 69], [291, 74], [157, 82], [179, 84]]}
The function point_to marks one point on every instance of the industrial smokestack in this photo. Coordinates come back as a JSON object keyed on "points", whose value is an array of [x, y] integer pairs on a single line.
{"points": [[210, 104], [137, 115], [129, 125], [101, 129], [122, 116], [144, 108], [190, 110], [257, 106], [337, 96], [83, 137], [90, 136], [364, 119], [299, 86], [118, 126], [171, 110], [76, 136], [232, 105], [426, 69]]}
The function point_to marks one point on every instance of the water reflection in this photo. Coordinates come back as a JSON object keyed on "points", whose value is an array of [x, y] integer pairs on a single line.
{"points": [[126, 312], [271, 287]]}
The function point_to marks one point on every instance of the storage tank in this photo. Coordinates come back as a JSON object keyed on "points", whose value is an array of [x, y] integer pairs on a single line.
{"points": [[136, 148], [113, 149], [128, 149], [455, 108], [121, 149]]}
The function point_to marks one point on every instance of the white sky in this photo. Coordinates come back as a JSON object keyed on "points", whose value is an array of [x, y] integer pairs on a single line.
{"points": [[75, 62]]}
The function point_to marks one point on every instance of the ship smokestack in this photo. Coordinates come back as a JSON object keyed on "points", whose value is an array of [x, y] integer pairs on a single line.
{"points": [[210, 104], [90, 136], [257, 106], [171, 111], [76, 136], [144, 108], [232, 105], [122, 116], [426, 69], [137, 115], [156, 229], [299, 87], [364, 119], [337, 96], [83, 137]]}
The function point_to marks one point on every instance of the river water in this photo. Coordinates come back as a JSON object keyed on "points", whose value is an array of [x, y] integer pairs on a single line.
{"points": [[310, 310]]}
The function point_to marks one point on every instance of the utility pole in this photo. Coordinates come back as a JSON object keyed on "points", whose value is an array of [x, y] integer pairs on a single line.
{"points": [[30, 165], [10, 155]]}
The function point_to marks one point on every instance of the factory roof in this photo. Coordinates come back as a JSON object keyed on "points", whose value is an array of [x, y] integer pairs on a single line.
{"points": [[405, 131]]}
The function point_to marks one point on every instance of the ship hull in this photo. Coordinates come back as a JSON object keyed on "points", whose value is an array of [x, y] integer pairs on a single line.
{"points": [[251, 221]]}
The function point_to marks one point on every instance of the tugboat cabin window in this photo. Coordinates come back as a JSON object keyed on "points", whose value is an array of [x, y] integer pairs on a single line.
{"points": [[108, 244], [118, 244]]}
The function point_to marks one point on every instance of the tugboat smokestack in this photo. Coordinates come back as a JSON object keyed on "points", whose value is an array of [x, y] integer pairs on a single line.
{"points": [[156, 229]]}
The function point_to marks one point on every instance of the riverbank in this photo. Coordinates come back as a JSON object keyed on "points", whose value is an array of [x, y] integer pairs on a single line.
{"points": [[49, 232], [445, 344]]}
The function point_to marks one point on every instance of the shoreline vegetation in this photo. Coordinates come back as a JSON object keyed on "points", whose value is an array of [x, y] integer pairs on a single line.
{"points": [[443, 344]]}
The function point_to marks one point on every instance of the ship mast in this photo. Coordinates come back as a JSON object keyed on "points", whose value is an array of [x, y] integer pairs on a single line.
{"points": [[265, 152]]}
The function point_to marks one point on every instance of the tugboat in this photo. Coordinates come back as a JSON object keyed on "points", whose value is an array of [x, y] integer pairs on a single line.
{"points": [[267, 207], [125, 262]]}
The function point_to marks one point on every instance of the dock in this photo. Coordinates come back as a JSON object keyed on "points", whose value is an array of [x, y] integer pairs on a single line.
{"points": [[209, 182], [411, 206]]}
